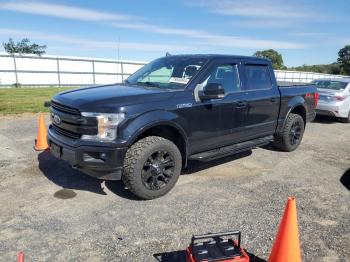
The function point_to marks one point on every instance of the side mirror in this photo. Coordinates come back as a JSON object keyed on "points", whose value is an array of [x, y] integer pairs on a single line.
{"points": [[212, 91]]}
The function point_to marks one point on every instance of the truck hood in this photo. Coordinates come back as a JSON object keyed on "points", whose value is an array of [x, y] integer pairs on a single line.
{"points": [[109, 98]]}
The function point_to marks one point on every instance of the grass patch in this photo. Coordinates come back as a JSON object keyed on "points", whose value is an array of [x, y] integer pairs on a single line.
{"points": [[26, 100]]}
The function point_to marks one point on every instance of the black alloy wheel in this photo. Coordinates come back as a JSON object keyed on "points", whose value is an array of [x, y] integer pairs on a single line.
{"points": [[295, 133], [158, 170], [152, 166], [291, 134]]}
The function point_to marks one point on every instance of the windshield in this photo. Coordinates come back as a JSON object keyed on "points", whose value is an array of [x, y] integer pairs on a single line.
{"points": [[171, 72], [330, 84]]}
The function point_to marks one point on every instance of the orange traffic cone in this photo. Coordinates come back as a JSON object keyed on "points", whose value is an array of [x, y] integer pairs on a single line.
{"points": [[20, 257], [40, 141], [286, 247]]}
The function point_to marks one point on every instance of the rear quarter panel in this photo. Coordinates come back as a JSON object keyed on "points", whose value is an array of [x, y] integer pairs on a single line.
{"points": [[293, 96]]}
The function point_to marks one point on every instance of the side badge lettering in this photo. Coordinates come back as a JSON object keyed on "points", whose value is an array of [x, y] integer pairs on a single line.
{"points": [[184, 105]]}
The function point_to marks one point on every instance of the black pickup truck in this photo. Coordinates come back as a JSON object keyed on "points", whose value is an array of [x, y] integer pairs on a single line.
{"points": [[172, 110]]}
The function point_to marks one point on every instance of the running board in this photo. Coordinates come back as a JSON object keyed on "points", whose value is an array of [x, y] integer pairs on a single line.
{"points": [[231, 149]]}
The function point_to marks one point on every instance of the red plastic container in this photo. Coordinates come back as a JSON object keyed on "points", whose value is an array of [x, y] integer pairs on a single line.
{"points": [[216, 248]]}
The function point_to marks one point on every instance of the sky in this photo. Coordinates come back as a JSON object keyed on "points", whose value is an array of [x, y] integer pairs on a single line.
{"points": [[304, 32]]}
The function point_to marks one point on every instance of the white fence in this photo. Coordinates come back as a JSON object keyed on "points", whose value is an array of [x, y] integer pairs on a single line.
{"points": [[31, 70], [301, 77], [63, 71]]}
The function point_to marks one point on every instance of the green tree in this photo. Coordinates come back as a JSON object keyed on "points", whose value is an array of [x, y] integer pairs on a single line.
{"points": [[273, 56], [23, 47], [344, 60], [333, 68]]}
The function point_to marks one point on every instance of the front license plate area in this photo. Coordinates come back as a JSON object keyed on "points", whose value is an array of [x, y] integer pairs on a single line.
{"points": [[55, 150]]}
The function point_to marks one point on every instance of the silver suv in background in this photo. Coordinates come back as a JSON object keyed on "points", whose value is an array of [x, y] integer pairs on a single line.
{"points": [[334, 98]]}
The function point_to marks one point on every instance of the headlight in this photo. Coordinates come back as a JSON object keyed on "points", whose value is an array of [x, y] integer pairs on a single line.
{"points": [[106, 126]]}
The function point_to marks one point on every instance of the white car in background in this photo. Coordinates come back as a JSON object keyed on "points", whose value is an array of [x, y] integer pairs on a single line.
{"points": [[334, 98]]}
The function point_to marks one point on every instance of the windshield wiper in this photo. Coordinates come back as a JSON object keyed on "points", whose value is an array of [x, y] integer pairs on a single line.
{"points": [[147, 83]]}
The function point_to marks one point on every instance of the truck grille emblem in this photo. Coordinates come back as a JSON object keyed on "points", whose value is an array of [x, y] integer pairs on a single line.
{"points": [[57, 119]]}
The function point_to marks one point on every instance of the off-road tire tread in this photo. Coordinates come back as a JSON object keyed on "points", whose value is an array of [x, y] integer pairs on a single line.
{"points": [[134, 153], [281, 139]]}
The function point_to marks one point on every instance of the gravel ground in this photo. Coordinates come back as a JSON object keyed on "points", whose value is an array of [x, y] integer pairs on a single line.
{"points": [[55, 213]]}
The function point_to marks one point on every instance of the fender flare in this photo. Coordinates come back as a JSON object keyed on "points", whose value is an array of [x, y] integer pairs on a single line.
{"points": [[292, 104], [146, 121]]}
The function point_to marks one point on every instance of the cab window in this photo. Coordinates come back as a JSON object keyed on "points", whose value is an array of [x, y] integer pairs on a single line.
{"points": [[258, 77], [227, 76]]}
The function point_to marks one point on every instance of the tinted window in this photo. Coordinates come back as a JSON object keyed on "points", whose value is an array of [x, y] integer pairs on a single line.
{"points": [[258, 77], [227, 76]]}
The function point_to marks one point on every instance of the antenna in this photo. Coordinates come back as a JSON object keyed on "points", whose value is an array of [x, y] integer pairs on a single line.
{"points": [[118, 58], [118, 48]]}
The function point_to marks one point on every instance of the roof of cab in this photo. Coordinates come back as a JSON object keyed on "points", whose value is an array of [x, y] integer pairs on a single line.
{"points": [[212, 56]]}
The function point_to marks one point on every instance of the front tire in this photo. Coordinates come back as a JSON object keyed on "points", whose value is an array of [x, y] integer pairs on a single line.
{"points": [[292, 133], [152, 167]]}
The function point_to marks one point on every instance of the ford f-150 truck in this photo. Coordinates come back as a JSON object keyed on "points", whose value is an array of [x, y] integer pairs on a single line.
{"points": [[175, 109]]}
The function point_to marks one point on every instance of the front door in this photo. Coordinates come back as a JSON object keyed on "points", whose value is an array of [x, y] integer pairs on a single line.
{"points": [[219, 122]]}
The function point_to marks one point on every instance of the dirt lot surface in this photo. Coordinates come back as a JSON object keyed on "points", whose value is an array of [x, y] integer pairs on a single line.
{"points": [[55, 213]]}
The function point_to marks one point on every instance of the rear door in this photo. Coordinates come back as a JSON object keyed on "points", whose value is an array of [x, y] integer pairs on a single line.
{"points": [[263, 99]]}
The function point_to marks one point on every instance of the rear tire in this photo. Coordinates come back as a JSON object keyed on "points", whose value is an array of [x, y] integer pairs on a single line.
{"points": [[291, 135], [152, 167], [346, 119]]}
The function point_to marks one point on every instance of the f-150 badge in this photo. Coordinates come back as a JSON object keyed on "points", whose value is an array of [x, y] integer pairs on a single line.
{"points": [[184, 105]]}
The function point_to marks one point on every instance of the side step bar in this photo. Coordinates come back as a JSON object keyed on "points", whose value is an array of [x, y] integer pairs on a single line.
{"points": [[231, 149]]}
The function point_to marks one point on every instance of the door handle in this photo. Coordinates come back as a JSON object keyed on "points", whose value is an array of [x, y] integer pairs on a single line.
{"points": [[241, 104], [273, 100]]}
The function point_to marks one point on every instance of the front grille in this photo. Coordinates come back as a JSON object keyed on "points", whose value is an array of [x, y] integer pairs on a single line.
{"points": [[66, 133], [69, 120], [65, 109]]}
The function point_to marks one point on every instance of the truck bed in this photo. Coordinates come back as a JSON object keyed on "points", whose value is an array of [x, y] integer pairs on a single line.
{"points": [[283, 84], [289, 84]]}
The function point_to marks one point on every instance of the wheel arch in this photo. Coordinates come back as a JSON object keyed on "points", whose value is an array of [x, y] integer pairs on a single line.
{"points": [[296, 105], [166, 129], [299, 110]]}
